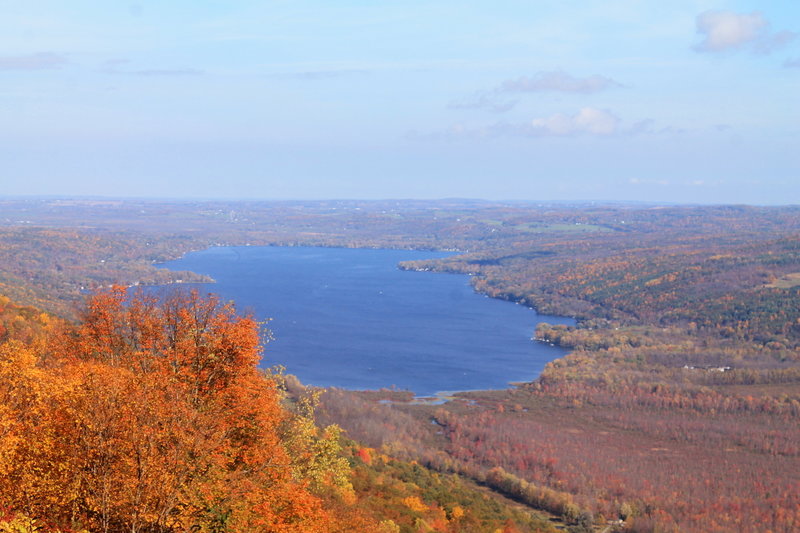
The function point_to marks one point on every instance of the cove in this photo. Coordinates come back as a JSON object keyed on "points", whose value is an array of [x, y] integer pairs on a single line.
{"points": [[350, 318]]}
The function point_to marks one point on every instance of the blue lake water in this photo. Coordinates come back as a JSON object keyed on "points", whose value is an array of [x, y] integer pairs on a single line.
{"points": [[350, 318]]}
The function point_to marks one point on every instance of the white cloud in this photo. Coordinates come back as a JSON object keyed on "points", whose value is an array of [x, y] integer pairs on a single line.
{"points": [[588, 120], [726, 30], [722, 30], [40, 61], [559, 81]]}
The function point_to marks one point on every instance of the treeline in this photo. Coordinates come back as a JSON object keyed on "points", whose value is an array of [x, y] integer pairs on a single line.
{"points": [[54, 269], [417, 499], [404, 435], [722, 284], [658, 459]]}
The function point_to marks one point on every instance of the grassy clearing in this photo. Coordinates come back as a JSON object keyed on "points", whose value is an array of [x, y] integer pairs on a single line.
{"points": [[786, 282]]}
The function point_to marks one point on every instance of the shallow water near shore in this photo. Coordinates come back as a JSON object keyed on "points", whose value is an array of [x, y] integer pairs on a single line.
{"points": [[350, 318]]}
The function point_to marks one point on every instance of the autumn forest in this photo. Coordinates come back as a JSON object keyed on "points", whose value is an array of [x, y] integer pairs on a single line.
{"points": [[677, 408]]}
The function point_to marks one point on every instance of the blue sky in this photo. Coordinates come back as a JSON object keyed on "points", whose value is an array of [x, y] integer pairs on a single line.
{"points": [[680, 101]]}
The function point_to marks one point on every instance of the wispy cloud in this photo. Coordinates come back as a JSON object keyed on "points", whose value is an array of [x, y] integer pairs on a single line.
{"points": [[497, 101], [484, 100], [586, 122], [775, 41], [167, 72], [322, 74], [40, 61], [116, 66], [792, 63], [662, 182], [722, 31], [135, 10], [559, 81]]}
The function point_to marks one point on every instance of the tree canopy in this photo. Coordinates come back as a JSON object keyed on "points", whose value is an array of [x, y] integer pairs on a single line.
{"points": [[152, 415]]}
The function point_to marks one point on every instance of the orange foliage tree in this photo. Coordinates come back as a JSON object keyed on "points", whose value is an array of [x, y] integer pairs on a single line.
{"points": [[152, 416]]}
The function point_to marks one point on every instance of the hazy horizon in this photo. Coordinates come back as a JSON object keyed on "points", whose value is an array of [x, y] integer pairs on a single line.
{"points": [[524, 201], [689, 102]]}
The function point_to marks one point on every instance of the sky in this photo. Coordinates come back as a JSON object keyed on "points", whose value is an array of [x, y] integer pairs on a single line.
{"points": [[652, 101]]}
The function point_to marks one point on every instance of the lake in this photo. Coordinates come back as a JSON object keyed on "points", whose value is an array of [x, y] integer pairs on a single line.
{"points": [[350, 318]]}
